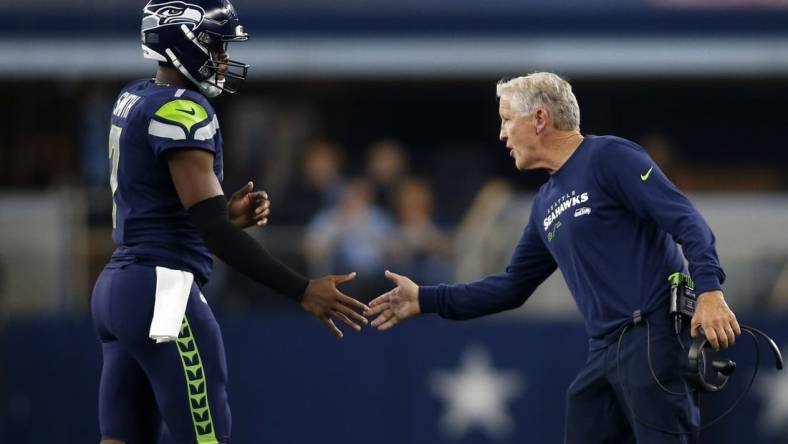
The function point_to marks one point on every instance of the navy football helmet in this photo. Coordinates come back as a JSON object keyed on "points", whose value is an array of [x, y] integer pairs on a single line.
{"points": [[192, 35]]}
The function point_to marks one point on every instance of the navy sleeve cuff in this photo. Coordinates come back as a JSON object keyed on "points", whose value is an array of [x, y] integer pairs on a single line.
{"points": [[706, 282], [428, 298]]}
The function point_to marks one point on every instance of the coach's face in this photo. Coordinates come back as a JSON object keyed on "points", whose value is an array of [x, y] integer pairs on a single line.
{"points": [[519, 132]]}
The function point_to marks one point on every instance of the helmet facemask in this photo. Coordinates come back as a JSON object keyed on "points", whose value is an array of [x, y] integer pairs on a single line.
{"points": [[227, 75]]}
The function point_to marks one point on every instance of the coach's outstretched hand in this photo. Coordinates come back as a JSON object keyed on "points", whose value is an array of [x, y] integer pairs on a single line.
{"points": [[717, 320], [248, 207], [326, 302], [397, 304]]}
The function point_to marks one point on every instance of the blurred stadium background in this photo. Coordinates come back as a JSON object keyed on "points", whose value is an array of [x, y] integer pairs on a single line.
{"points": [[373, 126]]}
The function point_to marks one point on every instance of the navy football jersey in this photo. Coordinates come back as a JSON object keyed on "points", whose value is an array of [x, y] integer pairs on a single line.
{"points": [[149, 222]]}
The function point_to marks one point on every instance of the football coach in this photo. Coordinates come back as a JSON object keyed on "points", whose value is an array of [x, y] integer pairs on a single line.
{"points": [[612, 222]]}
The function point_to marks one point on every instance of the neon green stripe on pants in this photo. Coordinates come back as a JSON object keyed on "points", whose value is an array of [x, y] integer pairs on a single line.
{"points": [[197, 386]]}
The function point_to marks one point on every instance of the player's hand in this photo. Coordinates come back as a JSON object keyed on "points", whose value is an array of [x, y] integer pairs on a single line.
{"points": [[396, 305], [327, 303], [716, 319], [247, 207]]}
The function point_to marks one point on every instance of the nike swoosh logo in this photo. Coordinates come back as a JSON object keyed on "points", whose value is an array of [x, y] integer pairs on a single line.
{"points": [[644, 177], [190, 111]]}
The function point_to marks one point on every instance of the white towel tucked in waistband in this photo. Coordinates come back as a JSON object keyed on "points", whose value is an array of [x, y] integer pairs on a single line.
{"points": [[172, 294]]}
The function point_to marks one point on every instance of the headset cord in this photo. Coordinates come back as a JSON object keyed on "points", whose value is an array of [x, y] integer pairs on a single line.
{"points": [[651, 368], [677, 326], [653, 374]]}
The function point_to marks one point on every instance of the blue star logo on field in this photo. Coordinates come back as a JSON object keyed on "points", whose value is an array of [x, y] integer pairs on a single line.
{"points": [[476, 395], [772, 387]]}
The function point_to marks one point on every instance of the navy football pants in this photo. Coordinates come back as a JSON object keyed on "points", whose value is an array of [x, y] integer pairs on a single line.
{"points": [[143, 384], [600, 409]]}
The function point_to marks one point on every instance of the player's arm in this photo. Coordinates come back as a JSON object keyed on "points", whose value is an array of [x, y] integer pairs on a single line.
{"points": [[633, 177], [201, 194], [530, 265]]}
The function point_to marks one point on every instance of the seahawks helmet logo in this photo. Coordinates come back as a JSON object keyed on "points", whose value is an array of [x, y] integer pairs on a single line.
{"points": [[172, 13]]}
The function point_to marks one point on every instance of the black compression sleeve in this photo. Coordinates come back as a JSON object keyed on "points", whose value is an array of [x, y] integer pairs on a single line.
{"points": [[240, 251]]}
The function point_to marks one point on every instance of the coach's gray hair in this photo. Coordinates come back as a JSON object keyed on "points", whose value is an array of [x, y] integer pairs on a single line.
{"points": [[543, 89]]}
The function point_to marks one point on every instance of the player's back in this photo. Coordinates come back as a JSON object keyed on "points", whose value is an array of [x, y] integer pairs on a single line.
{"points": [[149, 222]]}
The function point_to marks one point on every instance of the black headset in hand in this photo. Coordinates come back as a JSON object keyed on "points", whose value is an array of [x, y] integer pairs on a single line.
{"points": [[700, 375], [710, 375]]}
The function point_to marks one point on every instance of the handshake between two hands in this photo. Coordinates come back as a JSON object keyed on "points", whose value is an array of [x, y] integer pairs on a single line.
{"points": [[323, 299], [712, 317]]}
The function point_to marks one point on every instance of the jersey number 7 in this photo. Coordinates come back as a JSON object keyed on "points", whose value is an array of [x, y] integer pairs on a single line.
{"points": [[114, 157]]}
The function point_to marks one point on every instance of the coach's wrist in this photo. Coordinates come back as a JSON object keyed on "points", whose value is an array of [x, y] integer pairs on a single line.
{"points": [[711, 294], [427, 298], [706, 283]]}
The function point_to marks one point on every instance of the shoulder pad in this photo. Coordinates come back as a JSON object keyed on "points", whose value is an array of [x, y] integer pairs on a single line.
{"points": [[184, 112]]}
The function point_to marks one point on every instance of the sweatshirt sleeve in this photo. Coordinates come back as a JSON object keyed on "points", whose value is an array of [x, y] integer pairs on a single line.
{"points": [[627, 172], [529, 266]]}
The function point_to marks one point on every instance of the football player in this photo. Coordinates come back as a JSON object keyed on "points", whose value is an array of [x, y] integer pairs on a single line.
{"points": [[169, 217]]}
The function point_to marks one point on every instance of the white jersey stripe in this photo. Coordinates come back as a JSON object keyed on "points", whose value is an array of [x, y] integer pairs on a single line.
{"points": [[165, 130], [208, 131]]}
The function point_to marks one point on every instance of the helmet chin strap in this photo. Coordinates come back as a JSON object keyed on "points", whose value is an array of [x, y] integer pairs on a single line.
{"points": [[151, 54], [208, 89]]}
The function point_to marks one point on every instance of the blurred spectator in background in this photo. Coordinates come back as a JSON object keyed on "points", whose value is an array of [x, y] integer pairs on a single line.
{"points": [[778, 299], [664, 154], [387, 164], [3, 309], [94, 167], [477, 241], [422, 249], [318, 187], [264, 132], [93, 135], [708, 176], [458, 170], [354, 235], [36, 155]]}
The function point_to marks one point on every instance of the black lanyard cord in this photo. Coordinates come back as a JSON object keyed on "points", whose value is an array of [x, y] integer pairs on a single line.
{"points": [[653, 374]]}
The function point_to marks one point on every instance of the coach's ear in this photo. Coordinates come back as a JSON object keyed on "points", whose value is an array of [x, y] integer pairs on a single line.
{"points": [[541, 120]]}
